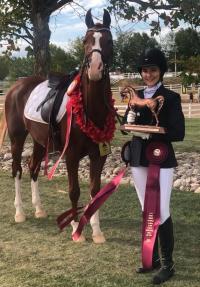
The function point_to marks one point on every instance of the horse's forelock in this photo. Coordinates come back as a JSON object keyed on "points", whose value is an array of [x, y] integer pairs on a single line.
{"points": [[98, 25]]}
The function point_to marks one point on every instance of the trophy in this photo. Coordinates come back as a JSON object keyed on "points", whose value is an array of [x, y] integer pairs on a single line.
{"points": [[154, 104]]}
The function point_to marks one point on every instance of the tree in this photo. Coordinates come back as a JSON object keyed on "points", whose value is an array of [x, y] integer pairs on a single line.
{"points": [[128, 47], [77, 51], [3, 68], [62, 61], [29, 20], [180, 47], [187, 43], [171, 12], [192, 65], [20, 67]]}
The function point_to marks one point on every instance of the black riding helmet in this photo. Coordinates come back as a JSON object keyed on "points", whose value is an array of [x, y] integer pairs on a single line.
{"points": [[153, 57]]}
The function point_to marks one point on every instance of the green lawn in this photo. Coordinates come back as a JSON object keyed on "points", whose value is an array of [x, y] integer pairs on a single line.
{"points": [[191, 142], [35, 254]]}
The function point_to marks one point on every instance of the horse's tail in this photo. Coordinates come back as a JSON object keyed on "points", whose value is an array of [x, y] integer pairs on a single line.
{"points": [[3, 128]]}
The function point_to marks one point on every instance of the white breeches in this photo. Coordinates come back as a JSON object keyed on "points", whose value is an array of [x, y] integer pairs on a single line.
{"points": [[139, 175]]}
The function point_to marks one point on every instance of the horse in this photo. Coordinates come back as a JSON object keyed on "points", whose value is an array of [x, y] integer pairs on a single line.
{"points": [[97, 107], [154, 104]]}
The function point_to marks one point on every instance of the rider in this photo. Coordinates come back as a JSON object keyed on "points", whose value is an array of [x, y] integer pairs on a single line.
{"points": [[152, 67]]}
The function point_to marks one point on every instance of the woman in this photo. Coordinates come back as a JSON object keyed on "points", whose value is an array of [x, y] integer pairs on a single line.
{"points": [[152, 66]]}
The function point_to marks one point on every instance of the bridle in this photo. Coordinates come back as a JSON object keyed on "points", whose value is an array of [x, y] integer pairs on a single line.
{"points": [[86, 61], [86, 65]]}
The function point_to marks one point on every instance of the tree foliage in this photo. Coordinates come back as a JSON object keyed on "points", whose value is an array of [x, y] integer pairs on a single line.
{"points": [[3, 68], [128, 47], [170, 12], [76, 50], [20, 67], [184, 48], [187, 43], [62, 61], [29, 20]]}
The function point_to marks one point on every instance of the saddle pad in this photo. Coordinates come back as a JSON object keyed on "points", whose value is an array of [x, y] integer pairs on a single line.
{"points": [[38, 94]]}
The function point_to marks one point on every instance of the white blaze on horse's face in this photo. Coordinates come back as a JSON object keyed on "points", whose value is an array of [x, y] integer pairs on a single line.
{"points": [[96, 65]]}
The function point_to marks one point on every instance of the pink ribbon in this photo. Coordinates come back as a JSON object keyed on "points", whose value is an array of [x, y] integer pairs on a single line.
{"points": [[156, 153], [68, 130], [96, 202]]}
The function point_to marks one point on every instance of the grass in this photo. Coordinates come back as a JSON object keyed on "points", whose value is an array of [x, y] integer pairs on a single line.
{"points": [[35, 254], [191, 142]]}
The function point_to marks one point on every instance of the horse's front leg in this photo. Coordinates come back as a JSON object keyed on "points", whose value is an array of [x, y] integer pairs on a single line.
{"points": [[72, 162], [96, 166]]}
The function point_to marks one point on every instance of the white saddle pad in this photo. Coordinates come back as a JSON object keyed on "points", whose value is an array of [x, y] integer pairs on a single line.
{"points": [[36, 97]]}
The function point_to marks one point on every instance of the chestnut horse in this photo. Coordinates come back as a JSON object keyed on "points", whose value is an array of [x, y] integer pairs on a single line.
{"points": [[95, 84]]}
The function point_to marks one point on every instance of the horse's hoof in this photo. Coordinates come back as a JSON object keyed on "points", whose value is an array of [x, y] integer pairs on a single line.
{"points": [[19, 218], [99, 238], [80, 239], [41, 214]]}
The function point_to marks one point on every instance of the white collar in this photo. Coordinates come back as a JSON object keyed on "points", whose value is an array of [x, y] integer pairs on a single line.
{"points": [[150, 91]]}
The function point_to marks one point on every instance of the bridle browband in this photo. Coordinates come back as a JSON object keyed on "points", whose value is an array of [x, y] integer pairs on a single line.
{"points": [[98, 29]]}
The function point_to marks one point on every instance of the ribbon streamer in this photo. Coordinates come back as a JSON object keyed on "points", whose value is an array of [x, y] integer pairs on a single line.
{"points": [[156, 153], [69, 121], [96, 202]]}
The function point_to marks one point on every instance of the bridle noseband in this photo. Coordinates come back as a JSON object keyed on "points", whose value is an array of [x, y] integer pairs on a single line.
{"points": [[86, 62]]}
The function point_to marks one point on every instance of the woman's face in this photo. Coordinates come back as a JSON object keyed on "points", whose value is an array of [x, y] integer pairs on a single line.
{"points": [[150, 75]]}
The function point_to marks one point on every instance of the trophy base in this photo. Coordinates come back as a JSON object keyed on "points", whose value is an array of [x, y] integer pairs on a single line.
{"points": [[143, 129]]}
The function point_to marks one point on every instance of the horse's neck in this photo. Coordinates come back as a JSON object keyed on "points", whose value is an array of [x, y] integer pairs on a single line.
{"points": [[95, 100]]}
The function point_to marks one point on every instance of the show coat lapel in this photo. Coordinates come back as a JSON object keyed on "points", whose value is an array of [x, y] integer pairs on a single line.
{"points": [[160, 92]]}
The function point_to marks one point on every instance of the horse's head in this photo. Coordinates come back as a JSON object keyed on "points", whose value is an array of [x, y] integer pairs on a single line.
{"points": [[98, 46], [128, 93]]}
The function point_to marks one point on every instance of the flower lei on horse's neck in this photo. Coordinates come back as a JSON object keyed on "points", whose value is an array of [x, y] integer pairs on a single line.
{"points": [[90, 129]]}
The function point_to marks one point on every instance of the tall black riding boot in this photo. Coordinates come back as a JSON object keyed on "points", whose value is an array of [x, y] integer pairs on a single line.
{"points": [[167, 245], [155, 260]]}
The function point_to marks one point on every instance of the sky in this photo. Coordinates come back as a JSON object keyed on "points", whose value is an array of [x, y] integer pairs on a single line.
{"points": [[67, 24]]}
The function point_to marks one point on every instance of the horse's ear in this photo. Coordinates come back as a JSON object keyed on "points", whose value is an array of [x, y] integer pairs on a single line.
{"points": [[106, 18], [88, 19]]}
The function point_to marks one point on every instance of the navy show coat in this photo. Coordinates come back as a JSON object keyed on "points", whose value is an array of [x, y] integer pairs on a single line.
{"points": [[171, 117]]}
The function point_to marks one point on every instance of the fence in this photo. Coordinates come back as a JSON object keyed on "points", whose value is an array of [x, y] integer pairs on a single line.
{"points": [[2, 99], [115, 75], [184, 92], [190, 110]]}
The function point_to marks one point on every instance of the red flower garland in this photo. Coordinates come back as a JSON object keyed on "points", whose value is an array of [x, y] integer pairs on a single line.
{"points": [[90, 129]]}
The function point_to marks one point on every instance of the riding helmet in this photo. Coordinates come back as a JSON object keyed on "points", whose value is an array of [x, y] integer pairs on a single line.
{"points": [[153, 57]]}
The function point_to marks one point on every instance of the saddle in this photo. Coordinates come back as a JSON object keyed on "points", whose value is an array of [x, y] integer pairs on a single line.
{"points": [[51, 104]]}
